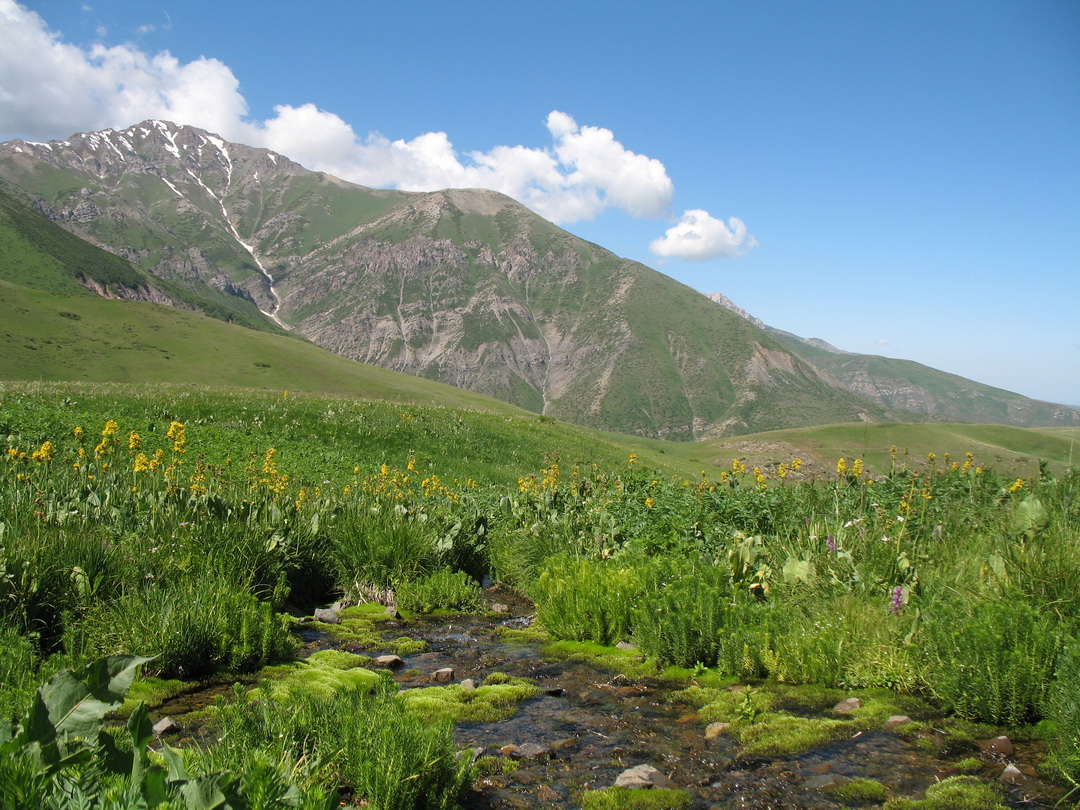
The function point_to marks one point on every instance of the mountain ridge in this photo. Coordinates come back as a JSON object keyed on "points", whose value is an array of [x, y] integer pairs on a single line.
{"points": [[463, 286]]}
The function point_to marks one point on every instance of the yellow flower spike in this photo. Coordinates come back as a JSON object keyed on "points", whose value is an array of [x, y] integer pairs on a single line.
{"points": [[841, 467], [77, 433], [134, 440], [110, 429], [856, 468], [44, 453]]}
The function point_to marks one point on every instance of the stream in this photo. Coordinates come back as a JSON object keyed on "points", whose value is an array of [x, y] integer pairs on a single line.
{"points": [[588, 725]]}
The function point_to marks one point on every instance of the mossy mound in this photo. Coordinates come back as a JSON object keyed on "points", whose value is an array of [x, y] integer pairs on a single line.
{"points": [[487, 704], [774, 734], [618, 798], [954, 793]]}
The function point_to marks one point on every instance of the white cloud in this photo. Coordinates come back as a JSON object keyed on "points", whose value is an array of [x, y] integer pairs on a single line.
{"points": [[51, 89], [697, 236], [881, 342]]}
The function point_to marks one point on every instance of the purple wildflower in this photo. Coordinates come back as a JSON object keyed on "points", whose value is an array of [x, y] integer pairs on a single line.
{"points": [[897, 599], [830, 541]]}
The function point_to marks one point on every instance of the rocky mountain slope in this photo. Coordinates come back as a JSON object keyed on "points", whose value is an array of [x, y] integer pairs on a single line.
{"points": [[465, 286]]}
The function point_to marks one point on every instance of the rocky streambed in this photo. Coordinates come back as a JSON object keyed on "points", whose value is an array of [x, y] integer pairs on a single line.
{"points": [[597, 721]]}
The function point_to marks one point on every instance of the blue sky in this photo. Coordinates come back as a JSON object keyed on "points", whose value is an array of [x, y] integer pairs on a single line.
{"points": [[898, 178]]}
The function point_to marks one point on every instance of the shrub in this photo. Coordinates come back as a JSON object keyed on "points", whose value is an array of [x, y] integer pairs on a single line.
{"points": [[1063, 715], [378, 547], [443, 590], [588, 600], [191, 628], [682, 623], [366, 739], [993, 661]]}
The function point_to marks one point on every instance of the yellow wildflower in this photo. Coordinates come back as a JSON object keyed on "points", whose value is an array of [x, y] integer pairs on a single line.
{"points": [[44, 453], [1018, 484], [134, 440], [77, 433]]}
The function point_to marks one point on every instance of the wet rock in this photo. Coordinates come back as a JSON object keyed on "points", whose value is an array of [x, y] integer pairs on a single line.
{"points": [[444, 675], [626, 645], [391, 661], [821, 767], [847, 706], [554, 691], [468, 685], [896, 720], [998, 745], [166, 725], [1012, 775], [642, 776], [714, 730], [392, 612], [327, 616], [825, 780], [546, 794], [499, 607], [531, 751]]}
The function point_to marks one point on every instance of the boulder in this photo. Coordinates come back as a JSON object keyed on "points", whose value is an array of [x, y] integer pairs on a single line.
{"points": [[444, 675], [714, 730], [896, 720], [997, 745], [531, 751], [642, 776], [166, 725], [847, 706], [391, 661], [327, 616]]}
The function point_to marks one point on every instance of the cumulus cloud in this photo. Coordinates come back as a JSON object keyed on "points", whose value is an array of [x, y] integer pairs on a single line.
{"points": [[50, 88], [697, 236], [881, 342]]}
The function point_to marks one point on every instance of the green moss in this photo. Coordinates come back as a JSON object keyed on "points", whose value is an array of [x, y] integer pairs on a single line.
{"points": [[774, 734], [322, 675], [725, 706], [617, 798], [337, 659], [488, 704], [370, 611], [403, 645], [954, 793], [968, 765], [859, 790], [624, 662], [487, 766], [152, 692]]}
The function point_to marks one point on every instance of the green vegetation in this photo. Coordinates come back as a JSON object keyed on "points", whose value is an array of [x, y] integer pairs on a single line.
{"points": [[177, 524], [617, 798]]}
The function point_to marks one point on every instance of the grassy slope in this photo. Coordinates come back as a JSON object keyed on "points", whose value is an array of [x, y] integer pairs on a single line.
{"points": [[51, 337], [1009, 450]]}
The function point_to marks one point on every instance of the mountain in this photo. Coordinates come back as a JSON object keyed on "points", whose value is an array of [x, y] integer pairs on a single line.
{"points": [[905, 385], [465, 286]]}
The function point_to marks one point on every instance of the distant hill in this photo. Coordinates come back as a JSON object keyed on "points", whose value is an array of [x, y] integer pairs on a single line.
{"points": [[466, 287]]}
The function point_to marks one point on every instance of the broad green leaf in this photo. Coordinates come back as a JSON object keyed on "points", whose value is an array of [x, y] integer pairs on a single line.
{"points": [[77, 702]]}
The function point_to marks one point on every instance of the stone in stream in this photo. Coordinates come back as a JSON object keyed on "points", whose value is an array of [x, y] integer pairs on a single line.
{"points": [[896, 720], [166, 725], [392, 612], [391, 661], [642, 776], [998, 745], [498, 607], [531, 751], [714, 730], [444, 675], [847, 706], [327, 616], [825, 780], [468, 685]]}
